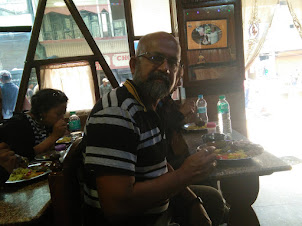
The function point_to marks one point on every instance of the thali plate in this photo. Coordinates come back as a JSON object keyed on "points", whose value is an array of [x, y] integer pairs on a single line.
{"points": [[44, 156], [32, 178], [234, 161], [192, 127], [64, 140], [248, 148]]}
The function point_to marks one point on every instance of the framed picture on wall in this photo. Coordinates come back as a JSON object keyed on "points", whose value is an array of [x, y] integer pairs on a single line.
{"points": [[207, 34]]}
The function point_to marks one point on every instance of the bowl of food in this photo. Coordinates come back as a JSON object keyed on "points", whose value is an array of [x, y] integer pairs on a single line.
{"points": [[213, 137]]}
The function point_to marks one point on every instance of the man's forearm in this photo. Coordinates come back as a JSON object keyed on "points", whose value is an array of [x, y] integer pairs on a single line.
{"points": [[128, 199]]}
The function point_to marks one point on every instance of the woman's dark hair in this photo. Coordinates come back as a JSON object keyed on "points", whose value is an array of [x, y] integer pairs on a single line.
{"points": [[45, 99]]}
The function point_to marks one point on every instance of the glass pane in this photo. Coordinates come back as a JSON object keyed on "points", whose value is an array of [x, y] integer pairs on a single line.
{"points": [[16, 13], [150, 16], [13, 52], [70, 78], [61, 37], [16, 44], [33, 86], [121, 74]]}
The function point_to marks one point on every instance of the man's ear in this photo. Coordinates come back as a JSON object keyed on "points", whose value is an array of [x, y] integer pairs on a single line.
{"points": [[132, 64]]}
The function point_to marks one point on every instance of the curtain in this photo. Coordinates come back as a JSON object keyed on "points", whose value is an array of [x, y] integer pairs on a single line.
{"points": [[295, 8], [74, 79], [257, 16]]}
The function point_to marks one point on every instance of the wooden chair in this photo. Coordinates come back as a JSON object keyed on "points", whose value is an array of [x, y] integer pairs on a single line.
{"points": [[65, 188]]}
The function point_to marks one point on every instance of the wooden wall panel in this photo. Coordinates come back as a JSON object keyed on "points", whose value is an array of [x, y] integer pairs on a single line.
{"points": [[222, 72]]}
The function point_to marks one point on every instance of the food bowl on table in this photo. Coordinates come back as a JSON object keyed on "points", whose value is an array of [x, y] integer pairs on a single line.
{"points": [[213, 137]]}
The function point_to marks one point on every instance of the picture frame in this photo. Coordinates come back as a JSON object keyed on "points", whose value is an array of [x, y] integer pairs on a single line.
{"points": [[207, 34]]}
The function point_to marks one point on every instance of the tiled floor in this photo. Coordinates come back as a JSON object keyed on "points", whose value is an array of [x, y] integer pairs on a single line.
{"points": [[280, 197]]}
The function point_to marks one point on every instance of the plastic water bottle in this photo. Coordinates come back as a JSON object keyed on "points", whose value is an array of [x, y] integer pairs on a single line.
{"points": [[202, 115], [74, 125], [224, 116]]}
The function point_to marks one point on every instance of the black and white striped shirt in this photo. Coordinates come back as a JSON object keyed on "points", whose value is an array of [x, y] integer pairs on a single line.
{"points": [[38, 129], [123, 138]]}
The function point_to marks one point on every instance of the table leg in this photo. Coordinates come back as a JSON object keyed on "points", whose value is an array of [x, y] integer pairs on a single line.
{"points": [[240, 193]]}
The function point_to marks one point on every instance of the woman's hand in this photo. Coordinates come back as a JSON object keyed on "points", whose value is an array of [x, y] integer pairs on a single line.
{"points": [[59, 129], [7, 158]]}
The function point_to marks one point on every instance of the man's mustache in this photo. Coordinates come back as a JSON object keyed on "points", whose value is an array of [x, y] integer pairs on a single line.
{"points": [[160, 76]]}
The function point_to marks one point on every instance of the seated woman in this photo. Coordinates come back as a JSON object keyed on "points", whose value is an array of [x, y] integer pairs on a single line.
{"points": [[36, 131]]}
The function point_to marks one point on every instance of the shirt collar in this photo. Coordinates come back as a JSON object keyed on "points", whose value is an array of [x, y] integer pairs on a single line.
{"points": [[133, 90]]}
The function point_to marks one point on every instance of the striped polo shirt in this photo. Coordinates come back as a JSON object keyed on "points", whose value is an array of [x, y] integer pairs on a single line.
{"points": [[123, 138]]}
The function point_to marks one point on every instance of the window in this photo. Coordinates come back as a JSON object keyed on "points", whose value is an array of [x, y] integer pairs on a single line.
{"points": [[16, 13], [104, 16], [150, 16], [60, 36], [74, 79], [14, 45]]}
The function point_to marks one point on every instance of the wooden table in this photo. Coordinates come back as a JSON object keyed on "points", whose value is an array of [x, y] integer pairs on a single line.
{"points": [[239, 182], [25, 203]]}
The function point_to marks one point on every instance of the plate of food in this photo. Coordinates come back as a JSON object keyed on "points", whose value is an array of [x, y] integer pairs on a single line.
{"points": [[64, 140], [233, 151], [44, 156], [194, 127], [31, 172]]}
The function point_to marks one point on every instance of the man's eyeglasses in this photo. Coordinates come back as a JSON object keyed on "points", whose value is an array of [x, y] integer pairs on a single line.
{"points": [[158, 60]]}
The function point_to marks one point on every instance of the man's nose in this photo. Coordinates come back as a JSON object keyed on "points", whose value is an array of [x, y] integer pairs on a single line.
{"points": [[164, 66]]}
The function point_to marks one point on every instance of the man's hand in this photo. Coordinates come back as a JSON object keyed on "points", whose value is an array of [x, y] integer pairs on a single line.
{"points": [[187, 108], [199, 165], [7, 158]]}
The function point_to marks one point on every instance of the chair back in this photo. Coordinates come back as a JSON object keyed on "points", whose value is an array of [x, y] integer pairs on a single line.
{"points": [[65, 188]]}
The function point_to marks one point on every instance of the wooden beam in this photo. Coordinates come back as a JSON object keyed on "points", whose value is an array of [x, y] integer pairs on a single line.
{"points": [[64, 60], [91, 42], [16, 29], [130, 29], [30, 55], [95, 80]]}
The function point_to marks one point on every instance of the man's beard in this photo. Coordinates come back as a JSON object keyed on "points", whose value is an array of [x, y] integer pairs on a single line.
{"points": [[154, 89]]}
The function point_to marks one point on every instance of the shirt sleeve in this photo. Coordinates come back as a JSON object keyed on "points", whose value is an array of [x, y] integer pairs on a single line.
{"points": [[112, 140], [18, 134]]}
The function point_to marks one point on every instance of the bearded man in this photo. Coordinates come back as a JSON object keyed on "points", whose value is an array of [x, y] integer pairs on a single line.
{"points": [[127, 178]]}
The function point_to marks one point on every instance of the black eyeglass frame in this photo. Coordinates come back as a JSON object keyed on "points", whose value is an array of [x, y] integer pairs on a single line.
{"points": [[173, 63]]}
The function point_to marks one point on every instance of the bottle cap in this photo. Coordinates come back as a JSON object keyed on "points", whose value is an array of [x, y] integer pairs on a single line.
{"points": [[200, 96], [221, 97], [72, 113], [211, 125]]}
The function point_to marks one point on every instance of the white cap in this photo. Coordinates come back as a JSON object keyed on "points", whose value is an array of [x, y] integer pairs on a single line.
{"points": [[105, 80], [6, 74]]}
